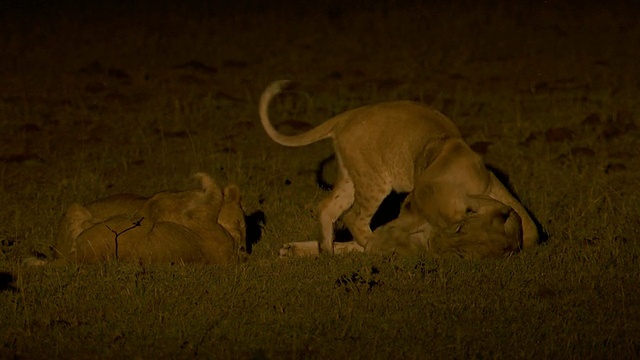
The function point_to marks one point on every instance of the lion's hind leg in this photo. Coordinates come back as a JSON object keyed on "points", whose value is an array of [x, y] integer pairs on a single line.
{"points": [[366, 204], [340, 199]]}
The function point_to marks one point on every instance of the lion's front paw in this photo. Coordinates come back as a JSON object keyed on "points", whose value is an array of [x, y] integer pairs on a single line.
{"points": [[287, 250], [305, 248]]}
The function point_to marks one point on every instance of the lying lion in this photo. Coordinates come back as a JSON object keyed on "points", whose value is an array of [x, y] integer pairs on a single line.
{"points": [[405, 147], [204, 225], [494, 231]]}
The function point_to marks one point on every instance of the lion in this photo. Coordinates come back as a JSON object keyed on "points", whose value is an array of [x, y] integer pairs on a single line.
{"points": [[400, 146], [494, 231], [201, 225]]}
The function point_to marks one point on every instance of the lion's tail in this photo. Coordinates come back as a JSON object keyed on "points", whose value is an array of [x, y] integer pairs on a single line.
{"points": [[323, 131]]}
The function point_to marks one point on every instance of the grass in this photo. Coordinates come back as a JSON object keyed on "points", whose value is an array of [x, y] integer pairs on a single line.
{"points": [[95, 102]]}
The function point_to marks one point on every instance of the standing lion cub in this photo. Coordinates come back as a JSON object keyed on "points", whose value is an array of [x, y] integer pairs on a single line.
{"points": [[406, 147], [201, 225]]}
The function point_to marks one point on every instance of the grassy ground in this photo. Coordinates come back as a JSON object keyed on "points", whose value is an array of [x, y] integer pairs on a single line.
{"points": [[102, 100]]}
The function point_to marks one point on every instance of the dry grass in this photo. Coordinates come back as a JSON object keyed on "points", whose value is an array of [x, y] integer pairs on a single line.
{"points": [[99, 101]]}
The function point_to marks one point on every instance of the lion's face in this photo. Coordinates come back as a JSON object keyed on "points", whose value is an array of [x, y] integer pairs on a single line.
{"points": [[489, 229]]}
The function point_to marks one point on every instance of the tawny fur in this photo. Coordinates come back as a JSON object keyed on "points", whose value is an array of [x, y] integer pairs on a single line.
{"points": [[495, 231], [201, 225], [406, 147]]}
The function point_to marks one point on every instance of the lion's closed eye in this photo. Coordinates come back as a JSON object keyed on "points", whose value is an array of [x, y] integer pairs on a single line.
{"points": [[453, 229]]}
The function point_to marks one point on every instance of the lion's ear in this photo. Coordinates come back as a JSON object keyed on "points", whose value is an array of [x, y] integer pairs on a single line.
{"points": [[208, 184], [470, 202], [231, 194], [407, 205], [76, 219], [206, 203]]}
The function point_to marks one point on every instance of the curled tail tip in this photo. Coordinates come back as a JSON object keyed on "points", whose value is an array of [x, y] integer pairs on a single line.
{"points": [[281, 85]]}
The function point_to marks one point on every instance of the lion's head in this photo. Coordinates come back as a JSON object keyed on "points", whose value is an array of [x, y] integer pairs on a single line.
{"points": [[489, 229]]}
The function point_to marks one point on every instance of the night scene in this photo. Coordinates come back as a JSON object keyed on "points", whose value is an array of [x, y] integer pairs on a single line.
{"points": [[319, 180]]}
